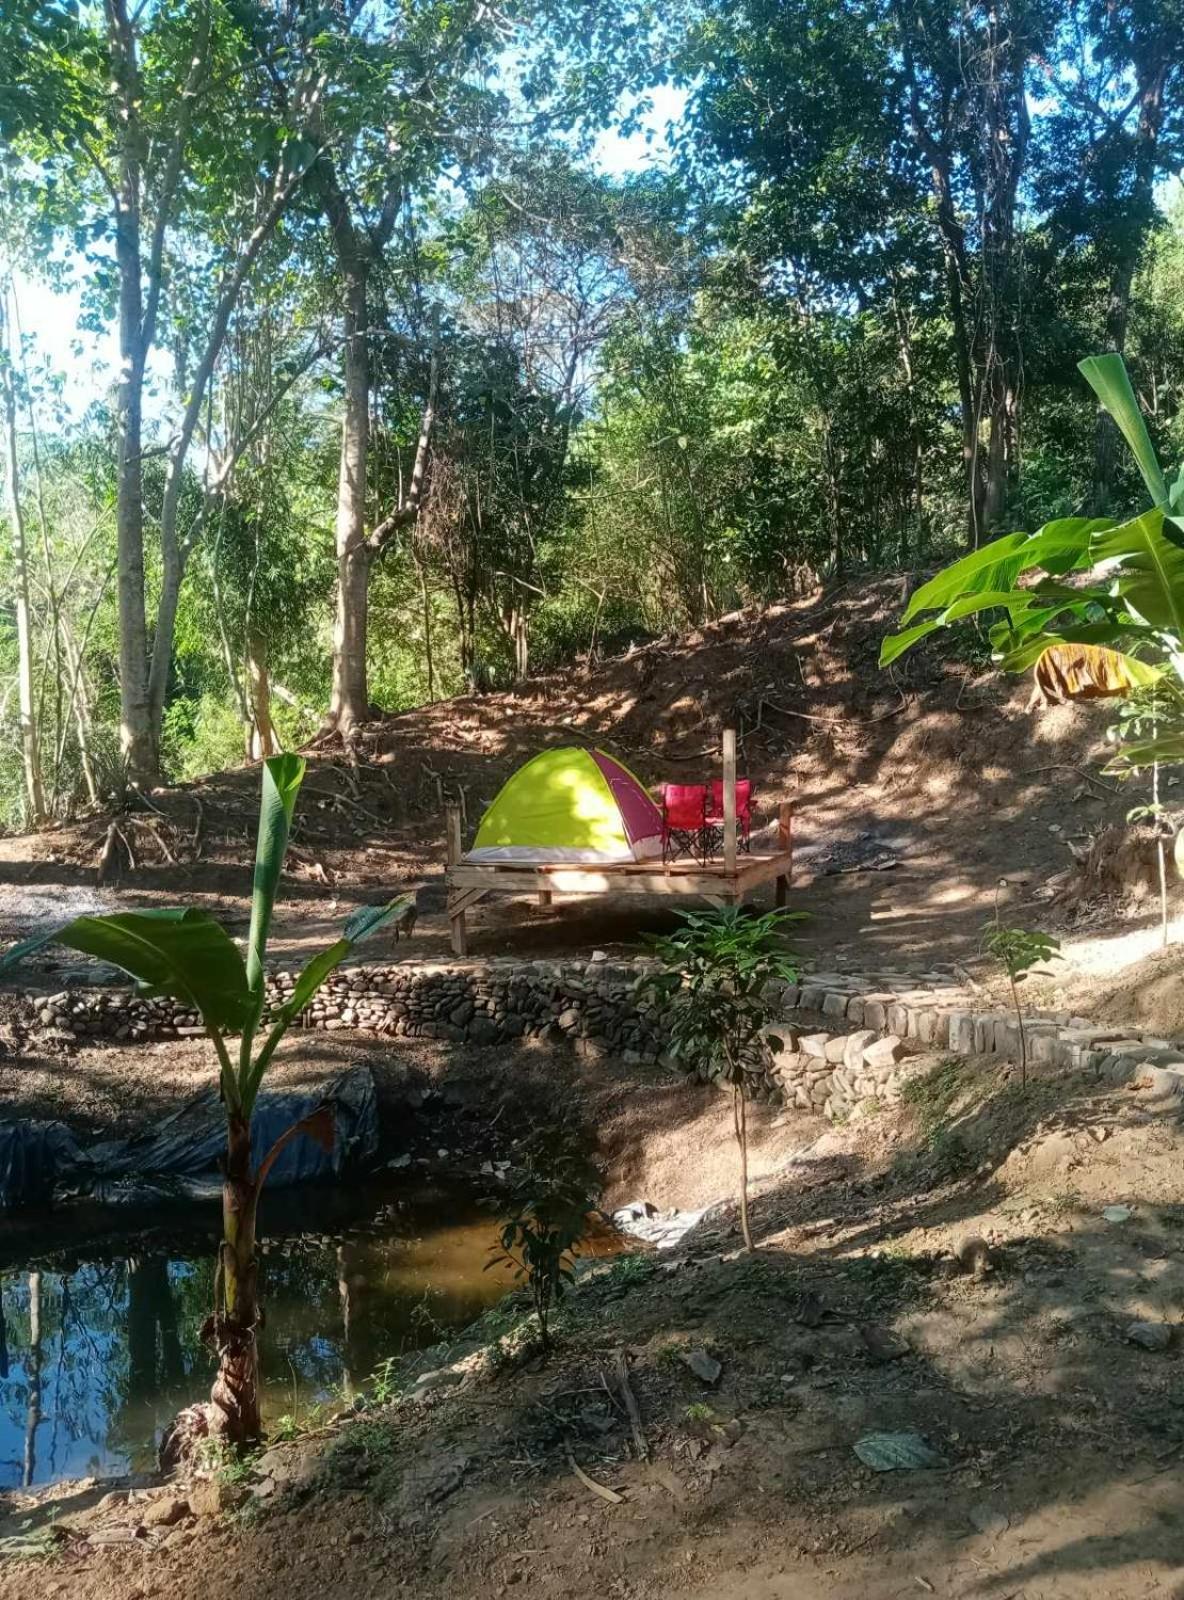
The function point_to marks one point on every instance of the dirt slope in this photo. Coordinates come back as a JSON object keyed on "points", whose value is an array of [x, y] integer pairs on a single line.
{"points": [[936, 766], [1056, 1434]]}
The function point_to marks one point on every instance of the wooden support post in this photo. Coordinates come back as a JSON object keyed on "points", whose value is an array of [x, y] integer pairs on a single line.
{"points": [[544, 897], [452, 842], [729, 742], [453, 850], [784, 847]]}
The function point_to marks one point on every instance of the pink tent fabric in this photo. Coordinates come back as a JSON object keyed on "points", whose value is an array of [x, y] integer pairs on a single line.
{"points": [[642, 819]]}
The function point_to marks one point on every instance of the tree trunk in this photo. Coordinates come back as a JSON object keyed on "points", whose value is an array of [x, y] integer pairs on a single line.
{"points": [[79, 704], [1001, 451], [425, 601], [137, 743], [235, 1393], [262, 739], [349, 699], [30, 744]]}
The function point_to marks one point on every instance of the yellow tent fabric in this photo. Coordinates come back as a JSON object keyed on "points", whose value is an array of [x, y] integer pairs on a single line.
{"points": [[567, 805]]}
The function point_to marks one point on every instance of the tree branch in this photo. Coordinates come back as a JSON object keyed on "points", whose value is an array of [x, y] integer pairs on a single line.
{"points": [[408, 506]]}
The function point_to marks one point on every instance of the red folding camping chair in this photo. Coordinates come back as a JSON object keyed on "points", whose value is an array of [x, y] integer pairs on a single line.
{"points": [[715, 815], [684, 820]]}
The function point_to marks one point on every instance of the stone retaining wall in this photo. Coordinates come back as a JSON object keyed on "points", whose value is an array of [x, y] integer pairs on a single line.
{"points": [[941, 1014], [875, 1020]]}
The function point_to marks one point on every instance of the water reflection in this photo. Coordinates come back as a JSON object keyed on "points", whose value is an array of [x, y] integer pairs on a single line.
{"points": [[99, 1350]]}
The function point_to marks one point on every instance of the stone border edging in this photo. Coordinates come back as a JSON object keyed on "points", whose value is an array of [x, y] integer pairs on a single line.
{"points": [[593, 1006]]}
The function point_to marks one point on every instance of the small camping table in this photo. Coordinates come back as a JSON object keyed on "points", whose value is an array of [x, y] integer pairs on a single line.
{"points": [[721, 883]]}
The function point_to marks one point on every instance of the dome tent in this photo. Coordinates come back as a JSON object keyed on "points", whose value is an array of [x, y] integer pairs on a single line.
{"points": [[570, 805]]}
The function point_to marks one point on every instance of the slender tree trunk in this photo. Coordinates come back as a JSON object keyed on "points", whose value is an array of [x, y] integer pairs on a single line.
{"points": [[80, 707], [137, 743], [235, 1393], [263, 740], [1021, 1030], [30, 743], [349, 700], [1001, 450], [425, 601]]}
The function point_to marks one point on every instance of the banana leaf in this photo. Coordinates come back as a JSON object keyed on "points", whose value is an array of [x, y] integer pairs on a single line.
{"points": [[1168, 751], [185, 954], [364, 922], [282, 777], [1149, 572], [1017, 651], [1107, 377], [1067, 672]]}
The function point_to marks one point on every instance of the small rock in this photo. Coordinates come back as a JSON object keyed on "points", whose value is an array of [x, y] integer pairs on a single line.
{"points": [[428, 1382], [705, 1367], [211, 1498], [986, 1520], [164, 1513], [896, 1452], [884, 1053], [1117, 1213], [974, 1255], [882, 1344], [1150, 1335]]}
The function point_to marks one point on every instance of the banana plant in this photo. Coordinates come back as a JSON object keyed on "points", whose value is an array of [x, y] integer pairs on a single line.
{"points": [[1094, 606], [190, 956]]}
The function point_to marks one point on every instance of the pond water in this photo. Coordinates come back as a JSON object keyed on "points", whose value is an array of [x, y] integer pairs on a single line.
{"points": [[99, 1341]]}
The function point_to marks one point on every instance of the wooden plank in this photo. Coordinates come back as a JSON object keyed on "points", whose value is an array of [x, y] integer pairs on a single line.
{"points": [[729, 743], [465, 900], [637, 878], [785, 828], [452, 833], [755, 870], [581, 881]]}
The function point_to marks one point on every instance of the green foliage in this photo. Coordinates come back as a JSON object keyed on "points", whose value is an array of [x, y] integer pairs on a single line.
{"points": [[715, 978], [1018, 950], [931, 1095], [663, 395], [717, 981], [544, 1207], [1133, 610]]}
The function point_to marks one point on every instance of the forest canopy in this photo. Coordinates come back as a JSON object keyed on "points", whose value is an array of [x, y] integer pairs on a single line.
{"points": [[453, 343]]}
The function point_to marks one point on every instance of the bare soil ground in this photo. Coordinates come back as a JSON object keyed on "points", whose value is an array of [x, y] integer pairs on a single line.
{"points": [[937, 765], [1059, 1440]]}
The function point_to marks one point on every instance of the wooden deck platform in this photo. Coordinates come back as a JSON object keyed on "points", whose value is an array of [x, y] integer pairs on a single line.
{"points": [[721, 883]]}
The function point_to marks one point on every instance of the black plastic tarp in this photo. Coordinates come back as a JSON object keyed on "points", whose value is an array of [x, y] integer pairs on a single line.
{"points": [[34, 1158], [182, 1156]]}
